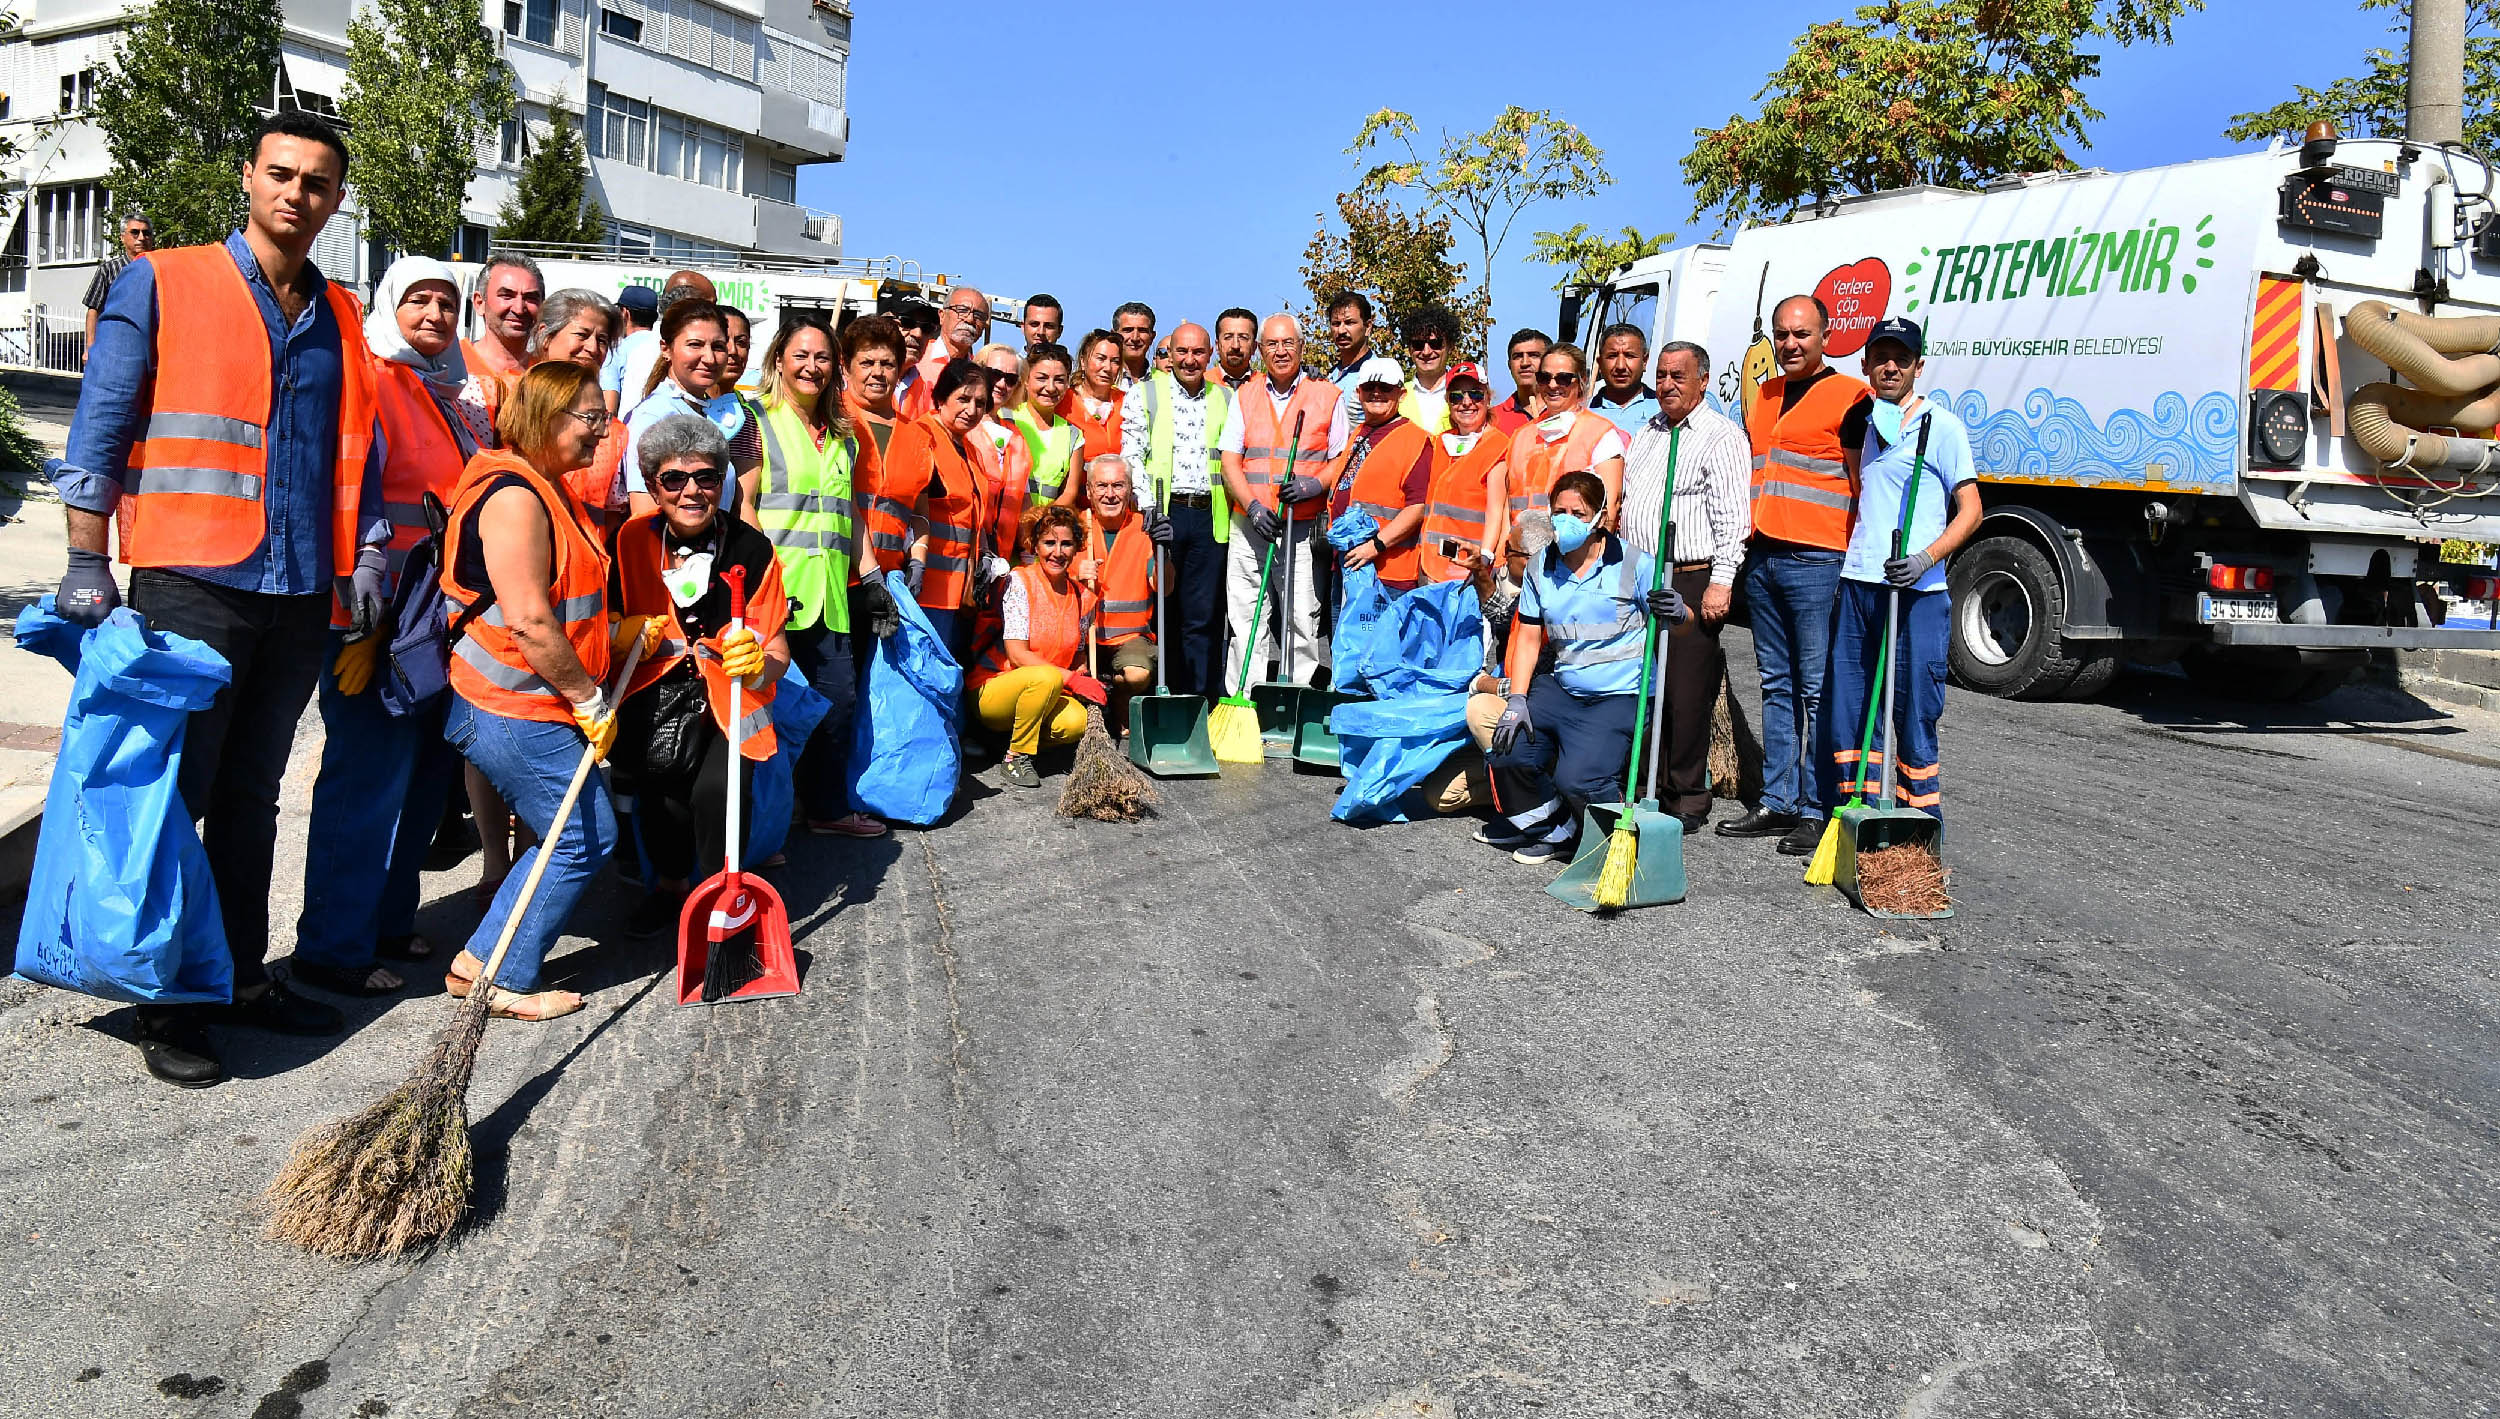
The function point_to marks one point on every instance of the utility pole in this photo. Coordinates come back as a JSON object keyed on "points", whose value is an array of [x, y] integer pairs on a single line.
{"points": [[2435, 73]]}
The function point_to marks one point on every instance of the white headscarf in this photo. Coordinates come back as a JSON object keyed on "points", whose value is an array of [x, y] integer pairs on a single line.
{"points": [[444, 373]]}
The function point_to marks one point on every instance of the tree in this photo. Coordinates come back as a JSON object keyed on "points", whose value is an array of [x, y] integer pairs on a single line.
{"points": [[1588, 257], [178, 104], [1953, 92], [1401, 261], [2372, 104], [425, 90], [552, 201], [1483, 181]]}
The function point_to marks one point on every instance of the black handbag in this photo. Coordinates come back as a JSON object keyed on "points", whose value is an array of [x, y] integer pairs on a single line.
{"points": [[673, 712]]}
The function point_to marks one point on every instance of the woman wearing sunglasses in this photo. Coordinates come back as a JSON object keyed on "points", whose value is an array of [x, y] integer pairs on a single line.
{"points": [[672, 572], [1566, 438]]}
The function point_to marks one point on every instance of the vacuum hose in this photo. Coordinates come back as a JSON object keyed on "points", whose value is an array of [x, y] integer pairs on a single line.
{"points": [[2456, 361]]}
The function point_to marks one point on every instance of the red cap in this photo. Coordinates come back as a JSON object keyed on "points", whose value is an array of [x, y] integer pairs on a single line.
{"points": [[1469, 369]]}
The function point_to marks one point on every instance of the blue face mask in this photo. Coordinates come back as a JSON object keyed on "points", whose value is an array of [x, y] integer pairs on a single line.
{"points": [[1570, 533], [1886, 417]]}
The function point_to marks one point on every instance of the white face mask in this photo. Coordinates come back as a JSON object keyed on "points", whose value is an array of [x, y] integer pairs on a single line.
{"points": [[689, 579]]}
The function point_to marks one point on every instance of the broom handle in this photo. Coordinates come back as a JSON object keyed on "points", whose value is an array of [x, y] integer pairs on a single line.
{"points": [[1875, 701], [1649, 648], [1284, 598], [737, 579], [1163, 509], [555, 832], [1892, 611], [1664, 569]]}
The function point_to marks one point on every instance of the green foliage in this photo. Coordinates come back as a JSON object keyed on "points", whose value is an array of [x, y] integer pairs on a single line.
{"points": [[1588, 257], [1401, 261], [1955, 92], [178, 104], [2372, 104], [425, 90], [19, 450], [552, 201], [1483, 181]]}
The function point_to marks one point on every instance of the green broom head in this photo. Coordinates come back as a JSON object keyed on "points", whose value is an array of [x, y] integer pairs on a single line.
{"points": [[1623, 853]]}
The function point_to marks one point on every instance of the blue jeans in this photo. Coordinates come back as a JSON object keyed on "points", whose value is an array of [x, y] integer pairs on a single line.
{"points": [[1573, 755], [830, 661], [1917, 697], [530, 761], [375, 806], [1792, 591]]}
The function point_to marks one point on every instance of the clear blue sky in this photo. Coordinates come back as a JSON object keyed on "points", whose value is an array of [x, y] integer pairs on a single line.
{"points": [[1178, 153]]}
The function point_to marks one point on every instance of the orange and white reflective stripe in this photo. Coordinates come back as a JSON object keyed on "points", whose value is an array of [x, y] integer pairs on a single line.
{"points": [[2274, 336]]}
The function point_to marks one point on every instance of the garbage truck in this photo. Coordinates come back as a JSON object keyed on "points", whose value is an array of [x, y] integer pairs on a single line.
{"points": [[2225, 413]]}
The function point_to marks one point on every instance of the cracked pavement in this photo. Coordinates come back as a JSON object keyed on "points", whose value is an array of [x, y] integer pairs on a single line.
{"points": [[1240, 1112]]}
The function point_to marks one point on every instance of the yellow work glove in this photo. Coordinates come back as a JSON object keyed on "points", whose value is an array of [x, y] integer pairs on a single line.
{"points": [[596, 718], [354, 667], [742, 655], [625, 630]]}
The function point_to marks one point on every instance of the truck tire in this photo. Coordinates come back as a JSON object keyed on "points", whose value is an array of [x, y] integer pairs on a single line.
{"points": [[2094, 677], [2009, 622]]}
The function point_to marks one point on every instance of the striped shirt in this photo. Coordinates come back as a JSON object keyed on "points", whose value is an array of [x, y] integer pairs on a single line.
{"points": [[1713, 491]]}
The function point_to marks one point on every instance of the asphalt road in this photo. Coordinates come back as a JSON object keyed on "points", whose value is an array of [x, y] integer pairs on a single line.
{"points": [[1241, 1113]]}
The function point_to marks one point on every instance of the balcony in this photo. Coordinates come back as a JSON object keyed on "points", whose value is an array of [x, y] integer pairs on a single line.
{"points": [[787, 229]]}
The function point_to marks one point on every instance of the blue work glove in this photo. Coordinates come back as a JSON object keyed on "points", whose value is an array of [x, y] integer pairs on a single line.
{"points": [[1905, 571], [1667, 604], [362, 594], [88, 592], [1158, 529], [1513, 723], [1301, 488], [877, 608], [1266, 522]]}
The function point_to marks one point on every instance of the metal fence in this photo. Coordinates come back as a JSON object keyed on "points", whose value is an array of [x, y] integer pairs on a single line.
{"points": [[45, 343]]}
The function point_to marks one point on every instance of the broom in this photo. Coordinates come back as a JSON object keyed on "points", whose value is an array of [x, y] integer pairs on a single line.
{"points": [[1826, 863], [1233, 728], [1623, 848], [397, 1176], [1103, 785]]}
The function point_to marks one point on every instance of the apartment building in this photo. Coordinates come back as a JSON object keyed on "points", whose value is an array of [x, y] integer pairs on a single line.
{"points": [[698, 115]]}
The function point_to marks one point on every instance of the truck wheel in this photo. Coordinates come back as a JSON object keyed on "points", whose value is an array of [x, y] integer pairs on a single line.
{"points": [[2094, 677], [2261, 675], [2009, 621]]}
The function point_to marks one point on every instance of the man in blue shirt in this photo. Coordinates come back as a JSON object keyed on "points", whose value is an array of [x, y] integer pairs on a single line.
{"points": [[1565, 738], [1884, 438], [275, 472], [1620, 397]]}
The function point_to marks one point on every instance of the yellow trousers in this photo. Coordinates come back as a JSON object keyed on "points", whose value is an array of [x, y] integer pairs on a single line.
{"points": [[1031, 704]]}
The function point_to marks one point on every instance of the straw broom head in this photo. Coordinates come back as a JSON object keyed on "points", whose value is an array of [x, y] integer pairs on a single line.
{"points": [[1103, 785]]}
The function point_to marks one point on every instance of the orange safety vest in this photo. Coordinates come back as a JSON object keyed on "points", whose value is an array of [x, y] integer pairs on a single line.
{"points": [[1054, 621], [962, 511], [1100, 438], [1008, 468], [191, 495], [1456, 515], [422, 457], [1537, 460], [496, 385], [1802, 492], [596, 485], [487, 667], [1380, 489], [639, 554], [1126, 575], [918, 395], [1263, 433]]}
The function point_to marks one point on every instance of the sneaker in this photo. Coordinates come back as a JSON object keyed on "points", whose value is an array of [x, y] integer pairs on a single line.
{"points": [[1498, 833], [176, 1050], [655, 914], [1760, 823], [1018, 771], [1803, 839], [849, 825], [1541, 853], [282, 1012]]}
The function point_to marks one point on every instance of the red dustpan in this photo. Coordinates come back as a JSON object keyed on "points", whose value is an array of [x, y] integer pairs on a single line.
{"points": [[733, 938]]}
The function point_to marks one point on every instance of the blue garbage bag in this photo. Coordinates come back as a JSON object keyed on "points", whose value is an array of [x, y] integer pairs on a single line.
{"points": [[1389, 747], [1360, 601], [1430, 641], [121, 904], [906, 749], [797, 710]]}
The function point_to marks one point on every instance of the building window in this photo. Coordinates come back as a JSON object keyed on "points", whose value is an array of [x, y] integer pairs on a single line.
{"points": [[781, 182], [13, 257], [619, 128], [630, 131], [69, 224], [515, 143], [78, 91], [532, 20], [624, 27], [472, 243]]}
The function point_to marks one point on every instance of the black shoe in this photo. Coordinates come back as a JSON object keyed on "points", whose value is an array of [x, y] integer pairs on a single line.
{"points": [[1694, 822], [357, 981], [1498, 833], [1803, 839], [657, 914], [1759, 823], [177, 1051], [282, 1012]]}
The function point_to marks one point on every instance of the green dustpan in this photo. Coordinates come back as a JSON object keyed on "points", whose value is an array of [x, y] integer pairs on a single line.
{"points": [[1167, 733], [1314, 737], [1873, 829], [1658, 866], [1279, 701]]}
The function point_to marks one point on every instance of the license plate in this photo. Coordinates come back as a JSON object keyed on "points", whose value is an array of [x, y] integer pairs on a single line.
{"points": [[2211, 608]]}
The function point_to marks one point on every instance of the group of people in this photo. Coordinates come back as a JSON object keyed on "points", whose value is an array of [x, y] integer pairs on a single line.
{"points": [[585, 481]]}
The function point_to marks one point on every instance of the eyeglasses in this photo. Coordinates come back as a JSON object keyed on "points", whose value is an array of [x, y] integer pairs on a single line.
{"points": [[1468, 396], [673, 480], [1425, 342], [968, 312], [595, 420], [1547, 379]]}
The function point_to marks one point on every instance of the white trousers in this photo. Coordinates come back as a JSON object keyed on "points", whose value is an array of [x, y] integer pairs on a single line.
{"points": [[1241, 588]]}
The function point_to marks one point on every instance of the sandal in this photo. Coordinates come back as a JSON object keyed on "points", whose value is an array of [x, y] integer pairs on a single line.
{"points": [[410, 947], [483, 894], [511, 1004], [367, 983]]}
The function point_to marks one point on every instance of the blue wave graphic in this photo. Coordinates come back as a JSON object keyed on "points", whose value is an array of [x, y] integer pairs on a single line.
{"points": [[2054, 437]]}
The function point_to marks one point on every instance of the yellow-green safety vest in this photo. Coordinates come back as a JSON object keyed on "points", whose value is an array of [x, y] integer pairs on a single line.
{"points": [[803, 505], [1052, 452], [1161, 391]]}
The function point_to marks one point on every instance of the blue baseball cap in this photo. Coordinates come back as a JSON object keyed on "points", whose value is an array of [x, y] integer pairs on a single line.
{"points": [[642, 300], [1906, 332]]}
